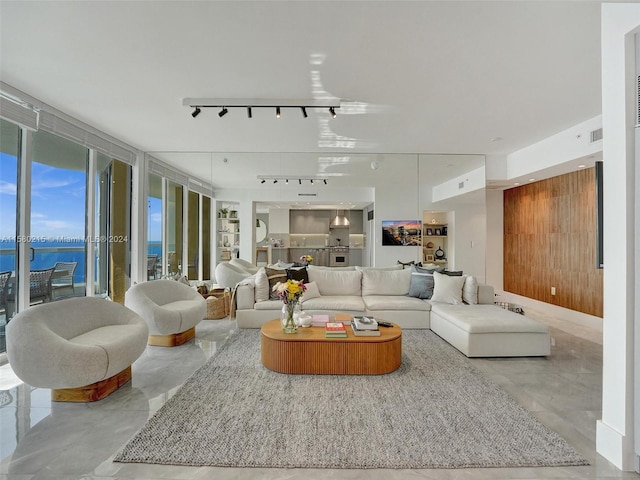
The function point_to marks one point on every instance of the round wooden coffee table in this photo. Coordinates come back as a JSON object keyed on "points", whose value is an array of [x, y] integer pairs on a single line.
{"points": [[309, 352]]}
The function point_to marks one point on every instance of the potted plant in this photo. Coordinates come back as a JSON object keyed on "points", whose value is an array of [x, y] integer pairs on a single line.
{"points": [[223, 212]]}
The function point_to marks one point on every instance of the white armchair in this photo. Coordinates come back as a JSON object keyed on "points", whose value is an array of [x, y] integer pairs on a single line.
{"points": [[171, 309], [82, 348], [228, 275]]}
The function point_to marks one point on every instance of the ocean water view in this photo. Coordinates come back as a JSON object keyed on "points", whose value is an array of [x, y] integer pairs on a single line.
{"points": [[46, 252]]}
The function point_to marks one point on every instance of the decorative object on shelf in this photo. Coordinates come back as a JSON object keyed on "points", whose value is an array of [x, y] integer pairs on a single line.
{"points": [[439, 254], [222, 213], [289, 292], [306, 259], [233, 214], [430, 245], [444, 230], [438, 232], [429, 232]]}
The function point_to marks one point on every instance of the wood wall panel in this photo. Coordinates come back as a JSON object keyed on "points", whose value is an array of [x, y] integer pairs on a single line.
{"points": [[550, 241]]}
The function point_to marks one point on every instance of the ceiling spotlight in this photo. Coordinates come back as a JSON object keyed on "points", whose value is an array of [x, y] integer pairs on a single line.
{"points": [[223, 112], [325, 181], [311, 180], [332, 112], [277, 112], [304, 112], [299, 181], [249, 114], [286, 181], [263, 180], [196, 112], [275, 180]]}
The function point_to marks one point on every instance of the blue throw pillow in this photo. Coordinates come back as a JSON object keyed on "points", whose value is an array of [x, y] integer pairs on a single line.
{"points": [[421, 285]]}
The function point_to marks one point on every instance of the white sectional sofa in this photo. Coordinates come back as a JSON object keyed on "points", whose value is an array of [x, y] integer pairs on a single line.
{"points": [[469, 320]]}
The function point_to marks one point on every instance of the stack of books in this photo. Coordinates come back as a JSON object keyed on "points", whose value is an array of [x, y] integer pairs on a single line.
{"points": [[335, 330], [365, 327], [319, 320]]}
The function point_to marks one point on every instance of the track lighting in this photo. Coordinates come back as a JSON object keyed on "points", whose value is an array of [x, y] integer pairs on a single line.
{"points": [[313, 180], [224, 104]]}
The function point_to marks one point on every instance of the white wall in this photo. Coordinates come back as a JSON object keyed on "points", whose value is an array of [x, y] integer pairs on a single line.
{"points": [[615, 431], [495, 239]]}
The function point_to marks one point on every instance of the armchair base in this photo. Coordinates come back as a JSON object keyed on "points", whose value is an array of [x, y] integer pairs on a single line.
{"points": [[95, 391], [172, 340]]}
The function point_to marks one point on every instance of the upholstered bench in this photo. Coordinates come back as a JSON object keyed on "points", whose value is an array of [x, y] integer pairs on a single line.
{"points": [[489, 331]]}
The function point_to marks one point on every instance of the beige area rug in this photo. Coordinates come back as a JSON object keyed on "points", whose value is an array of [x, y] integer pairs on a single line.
{"points": [[436, 411]]}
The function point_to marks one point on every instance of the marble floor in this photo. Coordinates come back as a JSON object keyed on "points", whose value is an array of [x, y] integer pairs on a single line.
{"points": [[44, 440]]}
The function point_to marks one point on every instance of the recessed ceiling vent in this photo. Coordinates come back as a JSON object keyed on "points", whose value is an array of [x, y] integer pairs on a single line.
{"points": [[596, 135], [307, 194]]}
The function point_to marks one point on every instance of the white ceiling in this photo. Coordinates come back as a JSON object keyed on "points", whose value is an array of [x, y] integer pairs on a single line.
{"points": [[414, 77]]}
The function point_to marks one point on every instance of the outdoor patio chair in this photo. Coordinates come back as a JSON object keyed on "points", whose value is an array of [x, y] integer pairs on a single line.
{"points": [[62, 279], [4, 289], [152, 266], [40, 285]]}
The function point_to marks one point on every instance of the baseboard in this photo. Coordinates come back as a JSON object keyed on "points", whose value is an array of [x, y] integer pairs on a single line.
{"points": [[615, 447]]}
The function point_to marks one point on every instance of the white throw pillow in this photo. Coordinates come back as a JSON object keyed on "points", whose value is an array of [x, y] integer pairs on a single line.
{"points": [[262, 285], [470, 290], [447, 289], [311, 291]]}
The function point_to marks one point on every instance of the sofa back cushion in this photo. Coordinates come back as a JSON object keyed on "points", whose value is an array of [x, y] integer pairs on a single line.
{"points": [[385, 282], [261, 285], [341, 282]]}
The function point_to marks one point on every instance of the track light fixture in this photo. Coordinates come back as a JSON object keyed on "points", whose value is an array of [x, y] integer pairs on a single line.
{"points": [[278, 179], [224, 104]]}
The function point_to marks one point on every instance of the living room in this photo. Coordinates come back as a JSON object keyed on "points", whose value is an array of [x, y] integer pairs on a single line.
{"points": [[534, 141]]}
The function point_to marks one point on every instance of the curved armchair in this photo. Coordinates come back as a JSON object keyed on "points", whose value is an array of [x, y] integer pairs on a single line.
{"points": [[171, 309], [229, 275], [82, 348], [244, 265]]}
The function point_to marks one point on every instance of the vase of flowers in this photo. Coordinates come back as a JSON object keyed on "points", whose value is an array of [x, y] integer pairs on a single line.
{"points": [[289, 292], [306, 259]]}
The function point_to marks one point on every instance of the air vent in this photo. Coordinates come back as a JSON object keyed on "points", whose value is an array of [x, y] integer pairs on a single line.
{"points": [[596, 135], [307, 194]]}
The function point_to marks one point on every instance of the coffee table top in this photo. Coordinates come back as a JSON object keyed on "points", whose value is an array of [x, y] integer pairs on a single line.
{"points": [[273, 330]]}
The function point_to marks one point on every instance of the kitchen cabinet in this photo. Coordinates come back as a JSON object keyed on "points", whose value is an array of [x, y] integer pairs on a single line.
{"points": [[355, 221], [309, 221]]}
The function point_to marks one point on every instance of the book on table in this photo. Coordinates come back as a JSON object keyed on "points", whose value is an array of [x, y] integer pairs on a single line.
{"points": [[365, 323], [342, 317], [319, 320], [335, 330], [364, 333]]}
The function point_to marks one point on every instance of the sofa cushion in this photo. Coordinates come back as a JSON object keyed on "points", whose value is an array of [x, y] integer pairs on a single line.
{"points": [[298, 273], [470, 290], [393, 267], [447, 289], [334, 269], [332, 282], [269, 305], [261, 285], [488, 319], [385, 282], [311, 292], [421, 284], [275, 275], [428, 269], [395, 302], [350, 303]]}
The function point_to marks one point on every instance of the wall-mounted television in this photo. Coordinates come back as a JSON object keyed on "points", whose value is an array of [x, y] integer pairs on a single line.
{"points": [[407, 233]]}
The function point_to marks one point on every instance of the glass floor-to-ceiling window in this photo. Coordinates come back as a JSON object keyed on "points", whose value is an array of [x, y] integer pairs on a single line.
{"points": [[155, 260]]}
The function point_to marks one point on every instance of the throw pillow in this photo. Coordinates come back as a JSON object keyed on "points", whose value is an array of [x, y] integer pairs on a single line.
{"points": [[262, 285], [275, 275], [453, 273], [311, 292], [470, 290], [447, 289], [299, 274], [428, 269], [421, 285], [284, 265], [406, 264]]}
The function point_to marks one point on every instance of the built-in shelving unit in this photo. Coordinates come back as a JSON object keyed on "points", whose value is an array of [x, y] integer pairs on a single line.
{"points": [[227, 232], [434, 243]]}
